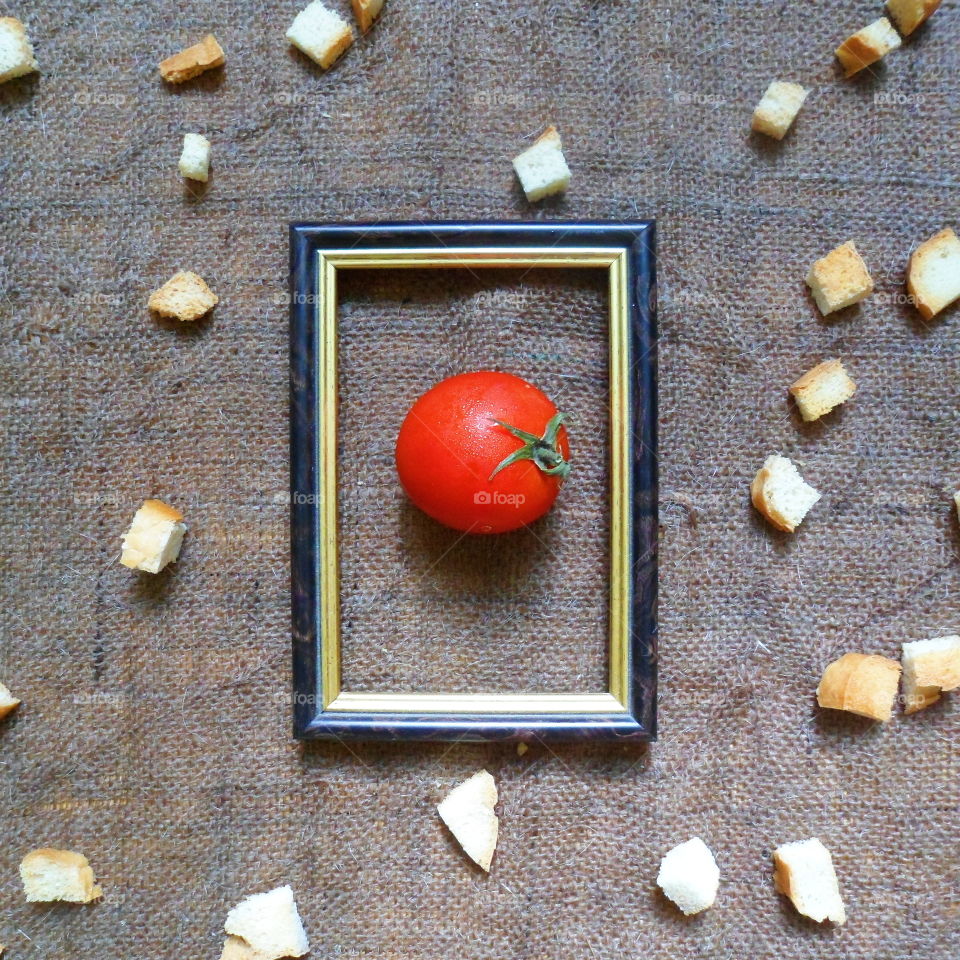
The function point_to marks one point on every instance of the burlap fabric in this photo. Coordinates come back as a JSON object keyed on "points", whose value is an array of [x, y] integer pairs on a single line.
{"points": [[155, 731]]}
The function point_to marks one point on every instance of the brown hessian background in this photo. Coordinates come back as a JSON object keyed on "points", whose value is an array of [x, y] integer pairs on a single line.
{"points": [[155, 730]]}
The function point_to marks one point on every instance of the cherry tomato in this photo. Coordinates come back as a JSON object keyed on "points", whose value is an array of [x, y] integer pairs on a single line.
{"points": [[483, 452]]}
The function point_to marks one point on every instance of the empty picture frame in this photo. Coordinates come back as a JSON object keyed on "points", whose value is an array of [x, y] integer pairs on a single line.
{"points": [[626, 709]]}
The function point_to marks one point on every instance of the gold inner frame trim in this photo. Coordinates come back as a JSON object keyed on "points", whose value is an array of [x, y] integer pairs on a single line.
{"points": [[615, 699]]}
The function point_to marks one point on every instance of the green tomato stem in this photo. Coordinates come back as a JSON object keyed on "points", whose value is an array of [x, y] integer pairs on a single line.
{"points": [[543, 451]]}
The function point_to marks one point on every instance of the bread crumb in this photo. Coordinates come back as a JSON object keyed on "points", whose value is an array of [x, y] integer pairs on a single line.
{"points": [[185, 296], [50, 875], [320, 33], [16, 53], [909, 14], [522, 748], [190, 63], [366, 11], [930, 667], [778, 108], [542, 168], [154, 537], [8, 702], [468, 812], [265, 926], [780, 493], [804, 872], [840, 279], [195, 158], [933, 276], [821, 389], [867, 46], [862, 684], [689, 876]]}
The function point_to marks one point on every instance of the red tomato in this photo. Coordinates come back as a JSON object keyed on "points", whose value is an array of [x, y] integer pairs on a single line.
{"points": [[483, 452]]}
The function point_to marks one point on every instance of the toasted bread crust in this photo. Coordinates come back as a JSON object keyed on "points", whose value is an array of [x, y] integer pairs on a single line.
{"points": [[185, 296], [778, 108], [818, 896], [190, 63], [862, 684], [943, 244], [809, 389], [840, 279], [758, 495], [26, 62], [39, 861], [867, 46], [9, 702], [909, 14], [338, 49], [366, 11]]}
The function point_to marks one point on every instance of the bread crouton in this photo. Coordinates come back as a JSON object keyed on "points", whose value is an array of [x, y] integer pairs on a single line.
{"points": [[265, 926], [185, 296], [190, 63], [366, 11], [929, 668], [909, 14], [840, 279], [542, 168], [320, 33], [195, 158], [689, 876], [821, 389], [49, 875], [16, 53], [867, 46], [933, 277], [778, 108], [154, 537], [8, 702], [780, 493], [468, 812], [804, 872], [862, 684]]}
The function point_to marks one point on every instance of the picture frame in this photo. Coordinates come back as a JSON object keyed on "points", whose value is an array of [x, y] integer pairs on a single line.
{"points": [[626, 710]]}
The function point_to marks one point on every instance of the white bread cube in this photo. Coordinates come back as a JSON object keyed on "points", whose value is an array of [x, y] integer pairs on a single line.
{"points": [[265, 926], [49, 875], [689, 876], [780, 493], [542, 168], [185, 297], [929, 667], [933, 277], [821, 389], [16, 54], [867, 46], [8, 702], [195, 158], [320, 33], [778, 108], [467, 810], [804, 872], [862, 684], [154, 537], [840, 279], [909, 14], [366, 11]]}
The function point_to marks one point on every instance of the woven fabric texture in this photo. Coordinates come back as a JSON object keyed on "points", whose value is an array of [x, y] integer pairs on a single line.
{"points": [[155, 730]]}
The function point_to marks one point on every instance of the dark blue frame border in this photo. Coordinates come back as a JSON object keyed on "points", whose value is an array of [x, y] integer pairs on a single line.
{"points": [[310, 721]]}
